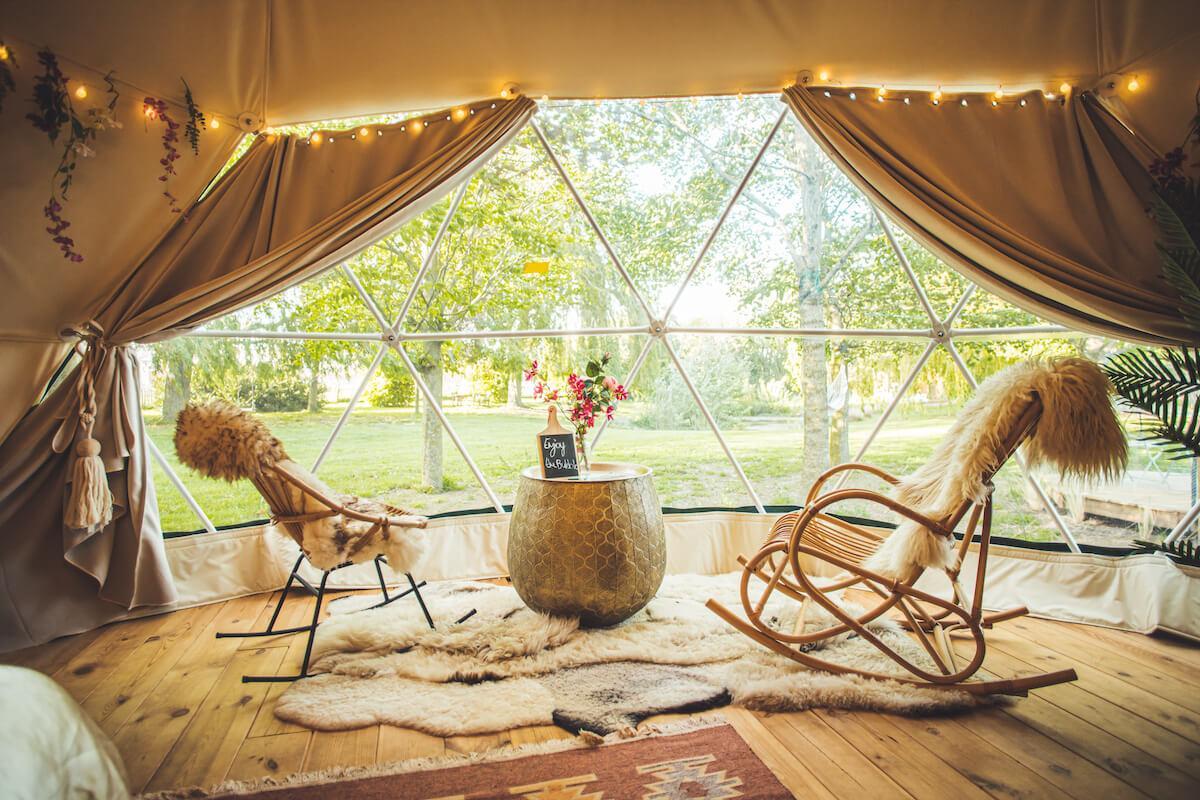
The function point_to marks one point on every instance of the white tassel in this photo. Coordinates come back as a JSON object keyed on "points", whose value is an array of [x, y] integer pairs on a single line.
{"points": [[90, 504]]}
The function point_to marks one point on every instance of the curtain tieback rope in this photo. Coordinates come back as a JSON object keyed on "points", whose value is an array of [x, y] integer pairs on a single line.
{"points": [[90, 502]]}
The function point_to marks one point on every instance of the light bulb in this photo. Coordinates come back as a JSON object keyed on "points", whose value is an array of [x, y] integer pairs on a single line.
{"points": [[826, 93], [824, 75], [363, 131], [380, 133], [995, 102], [937, 94], [81, 92], [545, 99], [447, 118], [999, 92], [3, 53], [416, 126], [881, 91], [1022, 102], [937, 102], [963, 102], [1064, 88], [908, 101], [214, 123], [1134, 84], [315, 138], [1048, 95], [741, 97], [354, 136], [853, 96], [879, 97], [504, 93]]}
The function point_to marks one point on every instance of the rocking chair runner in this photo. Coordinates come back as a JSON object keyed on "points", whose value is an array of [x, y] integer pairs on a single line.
{"points": [[332, 531], [814, 534]]}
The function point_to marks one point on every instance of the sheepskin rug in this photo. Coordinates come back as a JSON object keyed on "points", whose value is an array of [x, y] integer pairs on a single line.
{"points": [[508, 666]]}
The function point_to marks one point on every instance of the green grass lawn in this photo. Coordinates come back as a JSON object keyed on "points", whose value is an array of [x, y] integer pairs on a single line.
{"points": [[378, 454]]}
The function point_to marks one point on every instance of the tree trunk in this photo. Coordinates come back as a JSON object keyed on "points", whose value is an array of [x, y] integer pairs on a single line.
{"points": [[314, 393], [431, 449], [515, 380], [807, 258], [177, 392]]}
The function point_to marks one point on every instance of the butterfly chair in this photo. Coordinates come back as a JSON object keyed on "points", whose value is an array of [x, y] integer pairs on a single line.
{"points": [[1060, 411], [332, 530]]}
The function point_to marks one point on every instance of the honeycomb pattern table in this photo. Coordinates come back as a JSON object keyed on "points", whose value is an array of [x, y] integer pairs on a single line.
{"points": [[590, 548]]}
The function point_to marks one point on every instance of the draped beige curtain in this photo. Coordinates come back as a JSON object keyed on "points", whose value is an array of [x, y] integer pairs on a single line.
{"points": [[285, 212], [1042, 204]]}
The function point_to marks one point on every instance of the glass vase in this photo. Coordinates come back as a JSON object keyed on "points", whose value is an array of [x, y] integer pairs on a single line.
{"points": [[585, 467]]}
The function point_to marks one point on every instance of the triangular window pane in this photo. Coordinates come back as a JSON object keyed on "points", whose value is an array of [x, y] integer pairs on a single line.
{"points": [[518, 255], [800, 248], [656, 174], [663, 427]]}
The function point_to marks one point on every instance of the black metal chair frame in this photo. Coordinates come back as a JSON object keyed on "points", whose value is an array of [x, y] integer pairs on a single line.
{"points": [[414, 588]]}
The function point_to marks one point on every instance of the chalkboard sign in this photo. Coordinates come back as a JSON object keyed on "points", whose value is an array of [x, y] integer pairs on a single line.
{"points": [[556, 449], [558, 455]]}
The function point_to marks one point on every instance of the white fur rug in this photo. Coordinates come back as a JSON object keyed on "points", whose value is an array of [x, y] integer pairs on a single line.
{"points": [[508, 666]]}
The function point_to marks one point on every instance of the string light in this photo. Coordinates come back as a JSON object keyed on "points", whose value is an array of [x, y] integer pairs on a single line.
{"points": [[827, 94], [315, 138], [963, 102], [1022, 103], [937, 102], [3, 53], [937, 95], [824, 75], [504, 93], [908, 101], [214, 123], [999, 95], [380, 133], [363, 131], [1134, 84], [881, 92], [995, 102], [853, 96], [416, 126], [81, 92], [1064, 88]]}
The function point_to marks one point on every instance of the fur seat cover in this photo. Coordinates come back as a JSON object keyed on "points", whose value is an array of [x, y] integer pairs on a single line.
{"points": [[220, 440], [1078, 433]]}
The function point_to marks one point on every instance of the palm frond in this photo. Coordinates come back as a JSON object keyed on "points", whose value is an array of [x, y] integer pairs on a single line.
{"points": [[1166, 385], [1183, 552], [1180, 256]]}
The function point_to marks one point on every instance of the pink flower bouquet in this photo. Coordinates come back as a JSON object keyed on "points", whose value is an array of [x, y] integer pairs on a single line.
{"points": [[584, 398]]}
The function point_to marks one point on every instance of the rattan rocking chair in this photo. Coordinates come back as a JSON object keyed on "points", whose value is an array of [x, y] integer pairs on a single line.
{"points": [[332, 531], [814, 535]]}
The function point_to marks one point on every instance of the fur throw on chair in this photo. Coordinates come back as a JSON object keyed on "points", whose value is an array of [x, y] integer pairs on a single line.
{"points": [[1078, 433], [220, 440]]}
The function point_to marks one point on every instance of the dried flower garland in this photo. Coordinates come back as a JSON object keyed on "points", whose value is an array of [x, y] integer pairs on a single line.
{"points": [[156, 109], [196, 121], [54, 115], [8, 62]]}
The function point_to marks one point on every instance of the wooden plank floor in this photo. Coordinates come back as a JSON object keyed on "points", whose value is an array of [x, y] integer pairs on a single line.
{"points": [[170, 696]]}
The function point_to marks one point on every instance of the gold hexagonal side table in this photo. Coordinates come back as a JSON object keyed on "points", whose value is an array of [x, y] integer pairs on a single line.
{"points": [[590, 548]]}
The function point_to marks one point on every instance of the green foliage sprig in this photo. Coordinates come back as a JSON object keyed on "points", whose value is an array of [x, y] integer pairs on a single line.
{"points": [[195, 122], [55, 114], [1166, 385], [1183, 552]]}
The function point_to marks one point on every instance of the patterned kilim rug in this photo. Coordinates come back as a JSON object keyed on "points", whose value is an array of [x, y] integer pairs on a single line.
{"points": [[696, 763]]}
